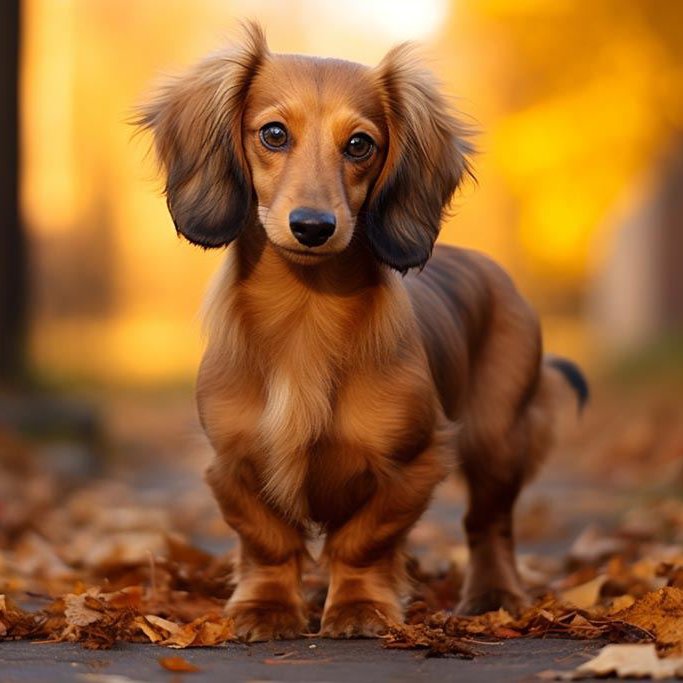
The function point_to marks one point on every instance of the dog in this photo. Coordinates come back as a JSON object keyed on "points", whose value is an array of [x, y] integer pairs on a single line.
{"points": [[346, 373]]}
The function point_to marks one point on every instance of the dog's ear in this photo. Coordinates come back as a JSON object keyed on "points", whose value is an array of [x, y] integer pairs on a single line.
{"points": [[196, 120], [426, 159]]}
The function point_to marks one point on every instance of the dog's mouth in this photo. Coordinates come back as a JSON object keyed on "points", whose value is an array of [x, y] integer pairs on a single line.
{"points": [[303, 255]]}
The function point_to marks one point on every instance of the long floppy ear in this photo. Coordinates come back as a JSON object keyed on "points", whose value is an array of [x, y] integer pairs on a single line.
{"points": [[196, 119], [425, 162]]}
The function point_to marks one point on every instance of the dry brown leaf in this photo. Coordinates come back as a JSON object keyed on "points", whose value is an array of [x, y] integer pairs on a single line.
{"points": [[434, 641], [183, 637], [143, 625], [620, 603], [484, 624], [14, 622], [580, 627], [178, 664], [661, 613], [586, 595], [164, 624], [215, 631], [126, 598], [78, 612], [206, 631], [211, 630]]}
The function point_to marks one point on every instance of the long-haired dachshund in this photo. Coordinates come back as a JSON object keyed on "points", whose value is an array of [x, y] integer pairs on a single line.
{"points": [[337, 393]]}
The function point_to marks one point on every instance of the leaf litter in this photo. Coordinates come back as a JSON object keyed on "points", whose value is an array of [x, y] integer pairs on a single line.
{"points": [[97, 566]]}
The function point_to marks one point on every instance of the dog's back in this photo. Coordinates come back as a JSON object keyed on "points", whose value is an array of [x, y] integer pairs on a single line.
{"points": [[458, 300]]}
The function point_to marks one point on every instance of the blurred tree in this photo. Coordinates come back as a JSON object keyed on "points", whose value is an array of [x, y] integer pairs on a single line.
{"points": [[588, 99], [13, 280]]}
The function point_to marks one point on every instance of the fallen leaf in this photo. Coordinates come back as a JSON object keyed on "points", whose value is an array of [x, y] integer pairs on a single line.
{"points": [[215, 631], [580, 627], [621, 603], [624, 661], [586, 595], [163, 624], [661, 613], [434, 641], [178, 664], [78, 613], [144, 626]]}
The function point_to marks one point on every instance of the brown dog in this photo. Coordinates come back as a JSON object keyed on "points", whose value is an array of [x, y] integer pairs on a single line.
{"points": [[336, 393]]}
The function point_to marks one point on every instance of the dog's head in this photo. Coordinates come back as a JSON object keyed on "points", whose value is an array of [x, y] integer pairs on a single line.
{"points": [[318, 150]]}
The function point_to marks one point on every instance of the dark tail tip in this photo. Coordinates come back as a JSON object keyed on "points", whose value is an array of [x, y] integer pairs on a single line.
{"points": [[572, 373]]}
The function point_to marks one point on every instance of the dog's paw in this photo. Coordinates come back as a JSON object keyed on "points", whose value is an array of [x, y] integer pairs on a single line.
{"points": [[492, 600], [365, 619], [258, 620]]}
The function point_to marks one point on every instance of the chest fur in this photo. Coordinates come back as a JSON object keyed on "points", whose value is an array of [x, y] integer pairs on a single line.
{"points": [[320, 450], [318, 390]]}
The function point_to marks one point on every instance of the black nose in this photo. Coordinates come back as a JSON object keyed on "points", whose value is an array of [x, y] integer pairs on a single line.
{"points": [[312, 227]]}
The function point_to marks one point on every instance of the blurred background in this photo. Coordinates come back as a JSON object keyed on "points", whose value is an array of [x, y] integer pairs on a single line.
{"points": [[580, 108], [579, 196]]}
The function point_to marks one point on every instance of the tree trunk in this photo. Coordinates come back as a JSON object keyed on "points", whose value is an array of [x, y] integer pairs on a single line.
{"points": [[13, 271]]}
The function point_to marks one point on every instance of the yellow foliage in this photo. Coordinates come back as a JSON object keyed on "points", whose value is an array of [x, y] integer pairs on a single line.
{"points": [[576, 101]]}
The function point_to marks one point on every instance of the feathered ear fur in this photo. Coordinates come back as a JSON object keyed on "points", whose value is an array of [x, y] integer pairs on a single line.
{"points": [[426, 161], [196, 121]]}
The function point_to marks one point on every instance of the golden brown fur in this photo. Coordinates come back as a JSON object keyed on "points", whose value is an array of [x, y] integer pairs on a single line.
{"points": [[336, 393]]}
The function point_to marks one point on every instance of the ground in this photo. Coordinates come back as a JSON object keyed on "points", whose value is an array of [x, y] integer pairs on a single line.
{"points": [[331, 661], [602, 524]]}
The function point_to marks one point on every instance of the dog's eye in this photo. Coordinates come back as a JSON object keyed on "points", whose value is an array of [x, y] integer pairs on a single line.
{"points": [[274, 135], [359, 146]]}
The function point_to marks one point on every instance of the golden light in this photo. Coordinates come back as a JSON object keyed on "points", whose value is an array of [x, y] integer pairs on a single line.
{"points": [[395, 20], [575, 102]]}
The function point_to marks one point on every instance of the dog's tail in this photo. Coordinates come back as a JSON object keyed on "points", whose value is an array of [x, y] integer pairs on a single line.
{"points": [[572, 375]]}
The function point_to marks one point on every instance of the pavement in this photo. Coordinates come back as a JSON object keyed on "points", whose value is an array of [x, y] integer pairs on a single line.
{"points": [[322, 661]]}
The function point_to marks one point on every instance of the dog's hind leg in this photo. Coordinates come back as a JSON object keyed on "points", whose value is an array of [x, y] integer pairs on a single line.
{"points": [[491, 579], [496, 464]]}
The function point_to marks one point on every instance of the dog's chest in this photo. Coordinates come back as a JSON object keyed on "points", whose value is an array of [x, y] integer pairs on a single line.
{"points": [[324, 420], [311, 468], [369, 421], [339, 480]]}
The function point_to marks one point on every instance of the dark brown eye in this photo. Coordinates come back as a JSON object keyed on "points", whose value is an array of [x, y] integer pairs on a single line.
{"points": [[274, 135], [360, 146]]}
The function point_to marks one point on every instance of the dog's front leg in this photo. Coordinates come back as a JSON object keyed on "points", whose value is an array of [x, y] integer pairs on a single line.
{"points": [[365, 556], [267, 603]]}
